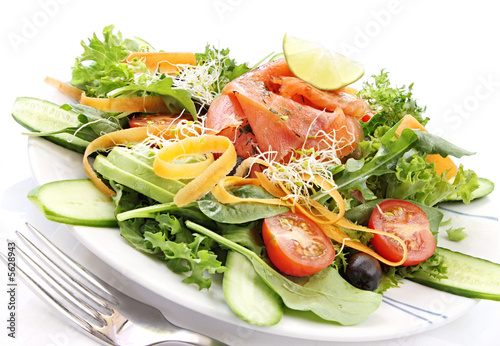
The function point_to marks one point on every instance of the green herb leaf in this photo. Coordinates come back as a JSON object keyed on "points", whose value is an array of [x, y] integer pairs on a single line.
{"points": [[389, 103], [456, 234]]}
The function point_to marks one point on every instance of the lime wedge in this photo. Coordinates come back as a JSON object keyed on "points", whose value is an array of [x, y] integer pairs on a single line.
{"points": [[319, 67]]}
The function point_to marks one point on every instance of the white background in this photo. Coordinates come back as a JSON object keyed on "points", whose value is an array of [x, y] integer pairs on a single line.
{"points": [[448, 49]]}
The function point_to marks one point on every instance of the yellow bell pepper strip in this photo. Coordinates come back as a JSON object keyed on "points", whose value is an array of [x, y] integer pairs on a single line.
{"points": [[163, 164]]}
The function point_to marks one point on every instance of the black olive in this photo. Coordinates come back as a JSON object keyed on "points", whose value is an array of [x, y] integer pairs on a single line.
{"points": [[363, 271]]}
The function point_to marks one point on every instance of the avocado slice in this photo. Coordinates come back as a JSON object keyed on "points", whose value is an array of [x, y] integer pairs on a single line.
{"points": [[136, 182], [142, 167]]}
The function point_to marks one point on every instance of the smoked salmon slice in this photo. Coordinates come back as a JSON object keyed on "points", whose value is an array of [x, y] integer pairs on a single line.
{"points": [[285, 114], [294, 88]]}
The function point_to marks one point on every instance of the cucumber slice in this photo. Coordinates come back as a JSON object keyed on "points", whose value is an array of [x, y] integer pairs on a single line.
{"points": [[485, 188], [248, 295], [467, 276], [38, 116], [74, 202]]}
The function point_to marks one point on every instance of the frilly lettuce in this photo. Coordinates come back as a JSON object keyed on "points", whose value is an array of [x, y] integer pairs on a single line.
{"points": [[388, 166]]}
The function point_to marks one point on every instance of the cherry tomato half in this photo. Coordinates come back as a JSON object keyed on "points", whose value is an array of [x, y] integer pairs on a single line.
{"points": [[296, 245], [155, 119], [407, 221]]}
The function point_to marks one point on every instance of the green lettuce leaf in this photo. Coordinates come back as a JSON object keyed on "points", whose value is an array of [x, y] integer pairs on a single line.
{"points": [[99, 69], [237, 213], [165, 235]]}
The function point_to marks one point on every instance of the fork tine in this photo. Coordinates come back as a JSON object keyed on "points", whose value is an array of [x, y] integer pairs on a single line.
{"points": [[71, 280], [131, 322], [54, 283], [77, 268], [51, 300]]}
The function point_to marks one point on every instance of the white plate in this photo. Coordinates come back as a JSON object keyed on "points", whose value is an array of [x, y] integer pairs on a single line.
{"points": [[405, 311]]}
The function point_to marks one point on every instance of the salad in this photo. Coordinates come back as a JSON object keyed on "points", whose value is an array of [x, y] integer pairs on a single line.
{"points": [[301, 193]]}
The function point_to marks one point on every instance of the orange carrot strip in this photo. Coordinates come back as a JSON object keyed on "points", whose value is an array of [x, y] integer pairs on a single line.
{"points": [[146, 104], [222, 195], [65, 88], [269, 186], [441, 164], [204, 182], [327, 186], [163, 62], [339, 236]]}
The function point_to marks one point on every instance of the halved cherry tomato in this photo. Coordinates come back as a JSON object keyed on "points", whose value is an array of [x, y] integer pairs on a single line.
{"points": [[156, 119], [407, 221], [296, 245]]}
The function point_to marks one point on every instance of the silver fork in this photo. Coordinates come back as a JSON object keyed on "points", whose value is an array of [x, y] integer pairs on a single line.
{"points": [[102, 311]]}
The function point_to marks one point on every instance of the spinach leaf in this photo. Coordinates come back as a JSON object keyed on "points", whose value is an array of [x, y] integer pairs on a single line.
{"points": [[240, 212], [175, 99], [326, 293], [247, 235]]}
